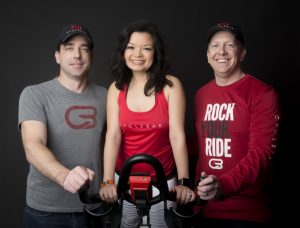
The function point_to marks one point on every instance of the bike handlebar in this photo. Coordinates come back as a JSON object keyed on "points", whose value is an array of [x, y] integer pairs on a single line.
{"points": [[88, 198], [160, 183]]}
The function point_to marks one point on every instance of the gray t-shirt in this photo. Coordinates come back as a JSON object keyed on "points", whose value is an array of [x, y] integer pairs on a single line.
{"points": [[75, 127]]}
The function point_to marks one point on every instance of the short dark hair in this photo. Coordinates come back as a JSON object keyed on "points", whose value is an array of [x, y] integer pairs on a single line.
{"points": [[157, 72], [226, 26]]}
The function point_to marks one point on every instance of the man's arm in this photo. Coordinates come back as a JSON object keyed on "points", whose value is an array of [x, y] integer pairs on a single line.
{"points": [[34, 137]]}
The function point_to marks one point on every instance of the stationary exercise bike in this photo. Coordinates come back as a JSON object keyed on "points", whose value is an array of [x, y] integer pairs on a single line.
{"points": [[136, 189]]}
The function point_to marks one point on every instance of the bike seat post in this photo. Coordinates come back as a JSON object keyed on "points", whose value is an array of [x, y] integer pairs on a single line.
{"points": [[143, 210], [145, 222]]}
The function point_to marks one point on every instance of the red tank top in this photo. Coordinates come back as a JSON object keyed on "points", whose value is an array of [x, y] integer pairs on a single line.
{"points": [[145, 132]]}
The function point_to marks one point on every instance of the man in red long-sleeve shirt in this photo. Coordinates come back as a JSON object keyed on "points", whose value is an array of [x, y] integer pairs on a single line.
{"points": [[237, 119]]}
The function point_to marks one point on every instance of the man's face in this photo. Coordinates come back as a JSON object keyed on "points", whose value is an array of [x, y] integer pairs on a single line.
{"points": [[225, 54], [74, 57]]}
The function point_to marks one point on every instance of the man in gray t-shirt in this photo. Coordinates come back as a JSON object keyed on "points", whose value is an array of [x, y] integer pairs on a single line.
{"points": [[62, 123]]}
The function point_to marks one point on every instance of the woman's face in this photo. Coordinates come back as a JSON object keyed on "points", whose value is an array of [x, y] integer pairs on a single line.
{"points": [[139, 52], [224, 54]]}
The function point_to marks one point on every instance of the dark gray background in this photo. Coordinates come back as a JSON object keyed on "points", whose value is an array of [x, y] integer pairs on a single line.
{"points": [[28, 34]]}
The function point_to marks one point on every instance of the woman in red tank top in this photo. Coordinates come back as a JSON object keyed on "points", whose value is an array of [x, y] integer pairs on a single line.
{"points": [[145, 114]]}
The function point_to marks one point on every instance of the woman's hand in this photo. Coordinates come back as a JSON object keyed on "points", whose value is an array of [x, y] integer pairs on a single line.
{"points": [[184, 194], [108, 193]]}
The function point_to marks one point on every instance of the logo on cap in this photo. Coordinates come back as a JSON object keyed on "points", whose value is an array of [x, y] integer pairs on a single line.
{"points": [[72, 30]]}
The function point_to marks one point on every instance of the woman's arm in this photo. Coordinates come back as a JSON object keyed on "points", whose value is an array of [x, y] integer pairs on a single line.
{"points": [[113, 134], [176, 100], [112, 144]]}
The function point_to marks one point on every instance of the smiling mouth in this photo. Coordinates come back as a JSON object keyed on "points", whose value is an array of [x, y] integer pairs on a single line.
{"points": [[137, 62], [222, 60], [77, 64]]}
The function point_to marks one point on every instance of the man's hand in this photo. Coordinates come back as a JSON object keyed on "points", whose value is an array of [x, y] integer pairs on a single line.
{"points": [[209, 187], [77, 178]]}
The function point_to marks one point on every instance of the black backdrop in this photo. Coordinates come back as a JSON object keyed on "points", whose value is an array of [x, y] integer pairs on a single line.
{"points": [[28, 34]]}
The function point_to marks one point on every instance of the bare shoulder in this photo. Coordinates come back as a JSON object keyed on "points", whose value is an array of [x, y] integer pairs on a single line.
{"points": [[113, 89], [176, 84], [113, 94], [173, 79], [176, 90]]}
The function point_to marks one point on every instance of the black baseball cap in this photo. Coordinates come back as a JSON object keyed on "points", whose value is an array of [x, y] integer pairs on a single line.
{"points": [[72, 30], [226, 26]]}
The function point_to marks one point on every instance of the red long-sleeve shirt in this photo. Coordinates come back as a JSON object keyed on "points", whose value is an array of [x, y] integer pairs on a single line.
{"points": [[237, 127]]}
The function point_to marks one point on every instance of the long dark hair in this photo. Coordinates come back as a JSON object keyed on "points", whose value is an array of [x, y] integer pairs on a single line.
{"points": [[158, 70]]}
